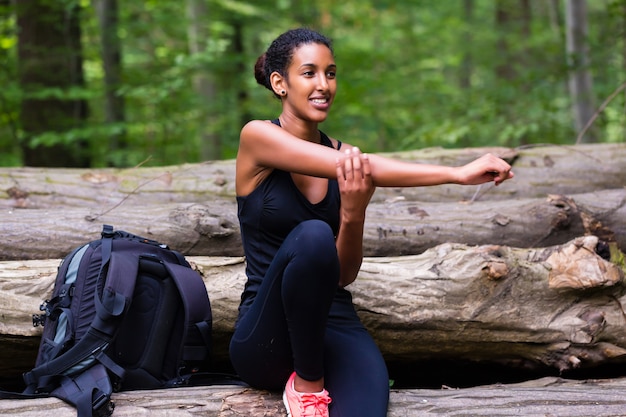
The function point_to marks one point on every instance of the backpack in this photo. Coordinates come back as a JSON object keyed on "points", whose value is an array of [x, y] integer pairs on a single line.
{"points": [[126, 313]]}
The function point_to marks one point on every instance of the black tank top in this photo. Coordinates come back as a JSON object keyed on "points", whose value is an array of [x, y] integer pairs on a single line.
{"points": [[270, 212]]}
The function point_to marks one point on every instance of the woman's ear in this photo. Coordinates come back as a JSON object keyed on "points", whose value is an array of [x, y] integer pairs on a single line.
{"points": [[278, 83]]}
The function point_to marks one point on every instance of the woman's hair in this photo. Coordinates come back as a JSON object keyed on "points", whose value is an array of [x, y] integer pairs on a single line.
{"points": [[280, 53]]}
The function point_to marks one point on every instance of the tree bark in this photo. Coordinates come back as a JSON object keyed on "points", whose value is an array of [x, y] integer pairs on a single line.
{"points": [[525, 309], [204, 82], [580, 80], [545, 397], [50, 58], [511, 18], [392, 228], [467, 65], [539, 171], [111, 53]]}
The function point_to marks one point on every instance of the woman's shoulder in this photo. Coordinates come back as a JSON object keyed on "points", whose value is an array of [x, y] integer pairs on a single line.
{"points": [[256, 124], [257, 130], [259, 127]]}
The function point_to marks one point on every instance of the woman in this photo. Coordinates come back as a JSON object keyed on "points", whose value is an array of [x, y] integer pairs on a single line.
{"points": [[302, 198]]}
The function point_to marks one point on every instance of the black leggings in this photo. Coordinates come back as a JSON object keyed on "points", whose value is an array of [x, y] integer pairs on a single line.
{"points": [[301, 321]]}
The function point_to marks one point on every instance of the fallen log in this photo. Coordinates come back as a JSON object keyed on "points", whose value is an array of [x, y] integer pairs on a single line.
{"points": [[409, 227], [544, 397], [540, 171], [391, 228], [520, 308]]}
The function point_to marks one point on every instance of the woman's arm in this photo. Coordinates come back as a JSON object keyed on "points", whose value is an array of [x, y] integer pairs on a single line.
{"points": [[356, 189], [264, 145], [394, 173]]}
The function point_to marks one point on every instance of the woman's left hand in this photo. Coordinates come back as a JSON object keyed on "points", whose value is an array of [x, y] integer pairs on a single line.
{"points": [[487, 168]]}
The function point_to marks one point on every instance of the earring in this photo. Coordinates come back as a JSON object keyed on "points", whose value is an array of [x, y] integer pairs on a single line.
{"points": [[283, 92]]}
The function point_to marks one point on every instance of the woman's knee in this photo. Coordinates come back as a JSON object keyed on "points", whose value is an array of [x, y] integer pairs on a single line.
{"points": [[312, 256], [316, 238]]}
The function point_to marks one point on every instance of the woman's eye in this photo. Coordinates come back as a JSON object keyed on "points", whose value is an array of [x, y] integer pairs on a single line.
{"points": [[331, 74]]}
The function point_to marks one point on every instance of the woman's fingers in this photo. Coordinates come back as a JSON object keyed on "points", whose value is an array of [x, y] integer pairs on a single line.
{"points": [[349, 165], [367, 169], [346, 165], [486, 169], [354, 165], [355, 161], [502, 171]]}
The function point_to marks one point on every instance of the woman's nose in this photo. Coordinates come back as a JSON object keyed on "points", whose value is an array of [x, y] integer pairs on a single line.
{"points": [[322, 83]]}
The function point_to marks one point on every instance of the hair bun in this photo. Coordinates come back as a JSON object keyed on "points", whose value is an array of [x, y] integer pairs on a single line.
{"points": [[259, 71]]}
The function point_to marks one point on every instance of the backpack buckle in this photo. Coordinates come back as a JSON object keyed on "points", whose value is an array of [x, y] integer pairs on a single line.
{"points": [[39, 320], [102, 406], [107, 231]]}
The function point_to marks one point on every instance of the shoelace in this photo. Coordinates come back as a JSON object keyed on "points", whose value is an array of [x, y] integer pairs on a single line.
{"points": [[312, 405]]}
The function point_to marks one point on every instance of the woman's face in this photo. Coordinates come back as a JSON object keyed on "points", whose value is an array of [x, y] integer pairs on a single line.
{"points": [[310, 82]]}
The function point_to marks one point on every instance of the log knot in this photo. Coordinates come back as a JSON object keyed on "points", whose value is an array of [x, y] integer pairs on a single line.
{"points": [[199, 218], [595, 227], [568, 207], [501, 220], [596, 322], [496, 269], [19, 196], [578, 266], [417, 212], [98, 177], [495, 266]]}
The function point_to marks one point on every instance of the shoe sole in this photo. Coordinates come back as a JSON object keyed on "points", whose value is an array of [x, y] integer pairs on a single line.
{"points": [[286, 402]]}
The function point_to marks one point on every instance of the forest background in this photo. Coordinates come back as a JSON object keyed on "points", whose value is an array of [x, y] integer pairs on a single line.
{"points": [[97, 83]]}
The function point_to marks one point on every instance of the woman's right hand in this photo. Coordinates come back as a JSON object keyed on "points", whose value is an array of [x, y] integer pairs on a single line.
{"points": [[356, 186]]}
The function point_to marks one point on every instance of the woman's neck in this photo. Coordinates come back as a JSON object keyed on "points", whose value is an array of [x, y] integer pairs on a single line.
{"points": [[300, 128]]}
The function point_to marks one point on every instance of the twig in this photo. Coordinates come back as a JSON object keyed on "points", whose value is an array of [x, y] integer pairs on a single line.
{"points": [[600, 109], [91, 218]]}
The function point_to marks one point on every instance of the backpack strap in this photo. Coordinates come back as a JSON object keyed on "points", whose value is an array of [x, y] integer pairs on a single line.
{"points": [[117, 292], [115, 299], [196, 306], [90, 385], [90, 392]]}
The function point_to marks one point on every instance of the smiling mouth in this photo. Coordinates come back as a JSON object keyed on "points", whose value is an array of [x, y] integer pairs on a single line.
{"points": [[319, 100]]}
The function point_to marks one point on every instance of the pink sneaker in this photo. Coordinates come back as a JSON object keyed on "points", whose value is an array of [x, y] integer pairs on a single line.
{"points": [[299, 404]]}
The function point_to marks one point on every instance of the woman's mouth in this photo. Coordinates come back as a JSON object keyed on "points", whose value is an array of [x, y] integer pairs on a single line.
{"points": [[320, 102]]}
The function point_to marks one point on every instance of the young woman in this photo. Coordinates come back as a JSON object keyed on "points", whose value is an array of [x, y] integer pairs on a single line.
{"points": [[302, 198]]}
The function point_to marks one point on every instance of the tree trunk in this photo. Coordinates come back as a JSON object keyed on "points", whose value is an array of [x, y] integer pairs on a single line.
{"points": [[624, 59], [557, 308], [239, 68], [391, 228], [511, 17], [545, 397], [539, 171], [50, 57], [467, 67], [554, 13], [580, 81], [111, 52], [203, 82]]}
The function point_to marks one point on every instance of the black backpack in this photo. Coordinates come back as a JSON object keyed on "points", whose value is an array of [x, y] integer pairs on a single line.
{"points": [[126, 313]]}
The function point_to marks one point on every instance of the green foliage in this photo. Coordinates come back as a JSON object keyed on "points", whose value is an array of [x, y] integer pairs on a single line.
{"points": [[400, 77]]}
